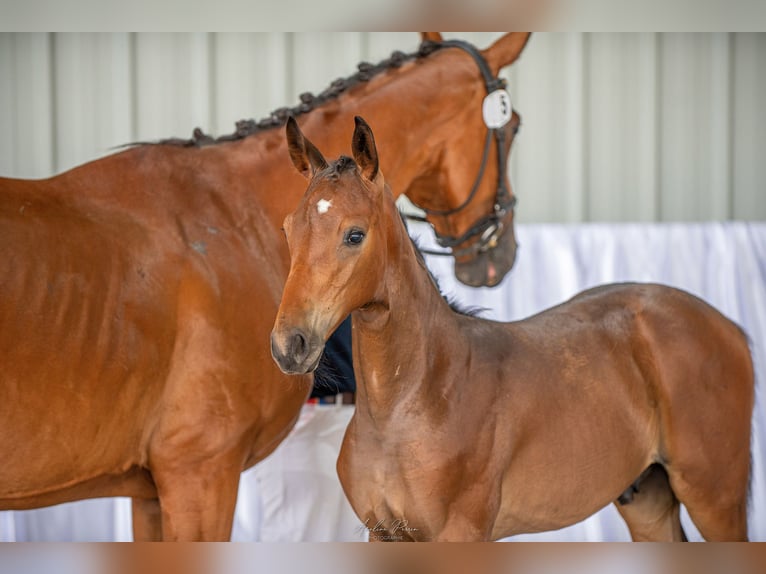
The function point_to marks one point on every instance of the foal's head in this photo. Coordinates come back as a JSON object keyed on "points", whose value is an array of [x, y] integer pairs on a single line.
{"points": [[337, 242]]}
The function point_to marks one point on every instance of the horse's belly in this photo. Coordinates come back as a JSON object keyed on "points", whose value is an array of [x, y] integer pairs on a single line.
{"points": [[132, 482], [73, 402], [549, 489], [57, 435], [83, 358]]}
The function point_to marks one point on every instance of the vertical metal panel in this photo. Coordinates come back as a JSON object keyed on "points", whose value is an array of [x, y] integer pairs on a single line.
{"points": [[250, 78], [548, 91], [27, 140], [622, 127], [379, 45], [749, 127], [173, 84], [320, 58], [93, 110], [721, 147], [7, 104], [694, 152]]}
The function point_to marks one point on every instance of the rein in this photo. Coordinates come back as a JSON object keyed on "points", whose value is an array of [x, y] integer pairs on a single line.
{"points": [[489, 228]]}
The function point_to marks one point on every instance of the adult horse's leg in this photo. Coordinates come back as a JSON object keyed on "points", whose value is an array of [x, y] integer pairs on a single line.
{"points": [[147, 520], [651, 509], [198, 502]]}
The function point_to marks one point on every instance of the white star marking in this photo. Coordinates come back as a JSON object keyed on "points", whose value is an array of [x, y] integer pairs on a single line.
{"points": [[323, 205]]}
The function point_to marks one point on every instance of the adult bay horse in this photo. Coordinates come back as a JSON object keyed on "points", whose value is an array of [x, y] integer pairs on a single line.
{"points": [[138, 291], [470, 429]]}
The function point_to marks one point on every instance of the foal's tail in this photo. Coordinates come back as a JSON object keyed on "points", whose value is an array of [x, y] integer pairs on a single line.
{"points": [[749, 344]]}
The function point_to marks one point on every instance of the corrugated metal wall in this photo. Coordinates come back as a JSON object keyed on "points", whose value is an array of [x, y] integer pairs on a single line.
{"points": [[622, 127]]}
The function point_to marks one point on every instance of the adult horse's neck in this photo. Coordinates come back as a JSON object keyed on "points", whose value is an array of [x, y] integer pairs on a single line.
{"points": [[416, 110], [403, 338]]}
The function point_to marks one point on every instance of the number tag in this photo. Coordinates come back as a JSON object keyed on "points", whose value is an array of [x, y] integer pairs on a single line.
{"points": [[497, 109]]}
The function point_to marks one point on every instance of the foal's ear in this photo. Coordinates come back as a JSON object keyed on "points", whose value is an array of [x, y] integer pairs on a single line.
{"points": [[506, 50], [307, 159], [363, 147]]}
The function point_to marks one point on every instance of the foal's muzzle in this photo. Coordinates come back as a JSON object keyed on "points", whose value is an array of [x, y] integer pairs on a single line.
{"points": [[296, 352]]}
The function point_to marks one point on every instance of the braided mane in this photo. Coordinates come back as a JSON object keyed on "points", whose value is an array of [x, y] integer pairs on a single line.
{"points": [[309, 101]]}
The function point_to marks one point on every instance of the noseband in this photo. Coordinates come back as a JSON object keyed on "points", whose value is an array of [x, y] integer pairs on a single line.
{"points": [[489, 228]]}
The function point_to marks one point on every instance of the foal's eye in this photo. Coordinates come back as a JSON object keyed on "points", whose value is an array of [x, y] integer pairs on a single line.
{"points": [[353, 237]]}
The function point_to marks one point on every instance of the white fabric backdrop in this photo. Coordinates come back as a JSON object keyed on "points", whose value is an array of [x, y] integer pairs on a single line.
{"points": [[295, 495]]}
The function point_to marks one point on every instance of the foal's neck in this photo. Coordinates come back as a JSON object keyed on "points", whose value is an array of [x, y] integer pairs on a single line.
{"points": [[398, 340]]}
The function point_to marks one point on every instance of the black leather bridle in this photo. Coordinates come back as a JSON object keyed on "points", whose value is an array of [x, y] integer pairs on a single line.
{"points": [[489, 228]]}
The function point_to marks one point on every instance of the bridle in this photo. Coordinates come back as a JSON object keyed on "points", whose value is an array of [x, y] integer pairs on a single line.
{"points": [[489, 228]]}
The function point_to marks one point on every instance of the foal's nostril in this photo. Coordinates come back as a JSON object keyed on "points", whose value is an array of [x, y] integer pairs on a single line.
{"points": [[298, 346], [292, 350]]}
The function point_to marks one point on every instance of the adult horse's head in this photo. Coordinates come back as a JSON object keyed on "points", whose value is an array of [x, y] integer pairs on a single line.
{"points": [[469, 199], [336, 237]]}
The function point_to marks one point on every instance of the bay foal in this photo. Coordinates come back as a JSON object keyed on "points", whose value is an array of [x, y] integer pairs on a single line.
{"points": [[469, 429]]}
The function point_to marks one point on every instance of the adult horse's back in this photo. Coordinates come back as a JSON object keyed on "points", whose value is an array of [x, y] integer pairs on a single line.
{"points": [[137, 293]]}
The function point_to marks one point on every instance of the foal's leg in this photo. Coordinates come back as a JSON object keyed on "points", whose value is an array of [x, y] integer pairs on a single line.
{"points": [[708, 475], [471, 518], [461, 530], [653, 511], [716, 501], [705, 405]]}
